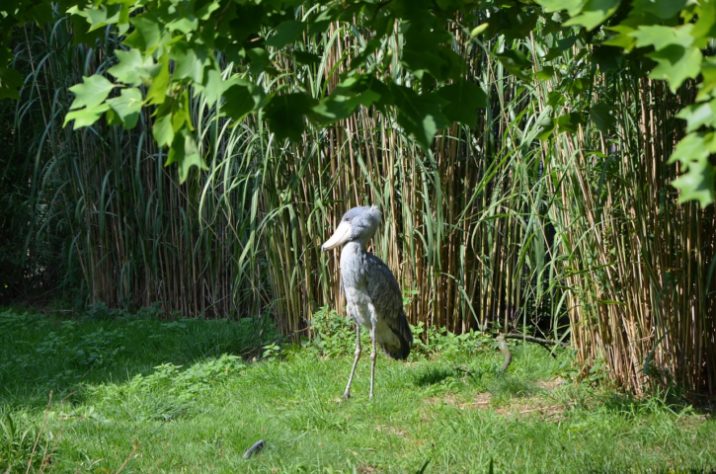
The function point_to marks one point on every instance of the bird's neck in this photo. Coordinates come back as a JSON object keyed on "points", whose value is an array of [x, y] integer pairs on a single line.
{"points": [[353, 257], [354, 247], [353, 250]]}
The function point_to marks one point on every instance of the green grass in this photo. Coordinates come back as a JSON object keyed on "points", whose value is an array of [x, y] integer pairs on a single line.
{"points": [[134, 394]]}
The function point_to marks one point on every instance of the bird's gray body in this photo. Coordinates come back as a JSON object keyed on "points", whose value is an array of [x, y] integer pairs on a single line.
{"points": [[373, 295], [371, 288]]}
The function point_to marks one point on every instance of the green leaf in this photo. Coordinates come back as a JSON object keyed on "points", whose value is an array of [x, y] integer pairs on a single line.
{"points": [[705, 26], [214, 86], [185, 153], [461, 101], [285, 33], [697, 184], [10, 82], [286, 114], [191, 158], [608, 58], [422, 127], [562, 45], [206, 8], [87, 106], [184, 25], [676, 57], [181, 111], [601, 115], [544, 124], [91, 92], [238, 101], [306, 58], [258, 60], [163, 130], [127, 106], [569, 122], [189, 62], [697, 180], [146, 34], [478, 30], [86, 116], [429, 49], [419, 115], [675, 64], [545, 74], [132, 68], [340, 106], [348, 95], [98, 16], [157, 92], [694, 147], [621, 37], [708, 81], [513, 23], [662, 9], [594, 13], [698, 115], [573, 7], [516, 62], [660, 37]]}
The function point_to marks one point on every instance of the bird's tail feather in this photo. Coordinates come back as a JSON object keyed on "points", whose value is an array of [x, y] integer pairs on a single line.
{"points": [[401, 329]]}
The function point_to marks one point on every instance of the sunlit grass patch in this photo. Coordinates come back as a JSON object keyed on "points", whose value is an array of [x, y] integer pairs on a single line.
{"points": [[179, 406]]}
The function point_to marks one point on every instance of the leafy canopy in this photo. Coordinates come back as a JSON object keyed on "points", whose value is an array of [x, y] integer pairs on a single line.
{"points": [[172, 49], [175, 48]]}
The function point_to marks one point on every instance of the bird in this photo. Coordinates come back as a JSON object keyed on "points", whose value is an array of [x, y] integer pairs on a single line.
{"points": [[373, 296]]}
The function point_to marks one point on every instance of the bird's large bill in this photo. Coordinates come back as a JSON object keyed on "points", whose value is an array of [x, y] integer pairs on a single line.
{"points": [[339, 237]]}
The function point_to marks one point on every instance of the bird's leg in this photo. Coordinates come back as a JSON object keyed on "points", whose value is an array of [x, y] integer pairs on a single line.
{"points": [[373, 354], [347, 392]]}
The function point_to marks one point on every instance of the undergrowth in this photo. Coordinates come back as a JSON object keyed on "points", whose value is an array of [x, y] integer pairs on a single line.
{"points": [[24, 445], [180, 388], [334, 335]]}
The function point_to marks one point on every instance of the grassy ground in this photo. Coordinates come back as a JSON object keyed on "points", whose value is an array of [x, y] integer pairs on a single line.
{"points": [[132, 394]]}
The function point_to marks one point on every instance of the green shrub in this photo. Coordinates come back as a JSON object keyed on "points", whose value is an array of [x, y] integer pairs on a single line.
{"points": [[167, 393], [331, 333], [429, 341]]}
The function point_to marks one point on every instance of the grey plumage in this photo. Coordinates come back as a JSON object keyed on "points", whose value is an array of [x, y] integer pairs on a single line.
{"points": [[373, 295]]}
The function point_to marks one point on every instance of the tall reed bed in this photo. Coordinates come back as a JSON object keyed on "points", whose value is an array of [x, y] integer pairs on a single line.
{"points": [[637, 266], [129, 234], [462, 229], [462, 224]]}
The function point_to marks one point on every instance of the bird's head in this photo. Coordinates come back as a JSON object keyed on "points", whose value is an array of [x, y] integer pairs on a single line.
{"points": [[357, 225]]}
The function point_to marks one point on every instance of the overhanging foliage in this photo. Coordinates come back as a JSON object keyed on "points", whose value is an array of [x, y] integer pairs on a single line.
{"points": [[171, 49]]}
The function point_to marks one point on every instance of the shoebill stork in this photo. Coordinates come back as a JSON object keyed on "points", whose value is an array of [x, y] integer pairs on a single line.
{"points": [[373, 297]]}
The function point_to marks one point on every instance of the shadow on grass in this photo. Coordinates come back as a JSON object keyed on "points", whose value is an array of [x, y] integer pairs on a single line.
{"points": [[433, 375], [427, 375], [41, 354], [671, 401], [509, 386]]}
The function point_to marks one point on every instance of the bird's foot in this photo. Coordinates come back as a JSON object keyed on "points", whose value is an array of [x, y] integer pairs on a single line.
{"points": [[346, 395]]}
